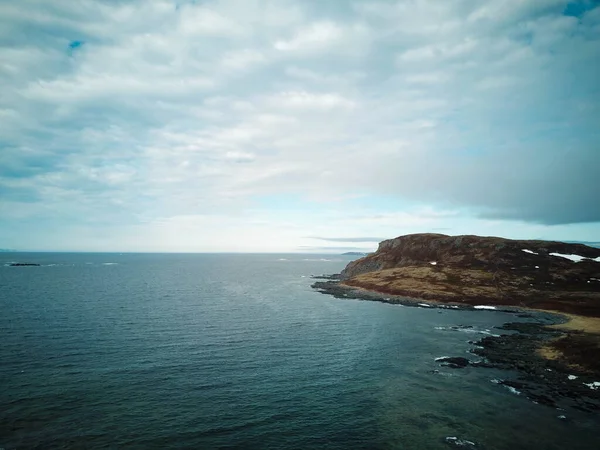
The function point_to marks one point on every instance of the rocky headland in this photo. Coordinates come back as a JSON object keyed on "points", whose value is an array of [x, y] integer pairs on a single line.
{"points": [[557, 354]]}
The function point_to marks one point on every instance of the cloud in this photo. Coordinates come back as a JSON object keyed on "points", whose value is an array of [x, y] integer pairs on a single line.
{"points": [[242, 59], [308, 100], [125, 114], [326, 249], [314, 37], [348, 239]]}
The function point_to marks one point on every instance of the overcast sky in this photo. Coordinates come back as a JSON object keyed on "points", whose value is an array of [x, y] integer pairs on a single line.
{"points": [[257, 125]]}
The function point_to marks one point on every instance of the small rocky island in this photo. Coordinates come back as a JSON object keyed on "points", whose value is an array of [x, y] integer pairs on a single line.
{"points": [[492, 273]]}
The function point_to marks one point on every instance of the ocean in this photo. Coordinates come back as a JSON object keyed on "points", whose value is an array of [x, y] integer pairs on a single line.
{"points": [[211, 351]]}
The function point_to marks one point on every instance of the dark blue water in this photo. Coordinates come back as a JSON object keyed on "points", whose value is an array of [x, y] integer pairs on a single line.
{"points": [[237, 351]]}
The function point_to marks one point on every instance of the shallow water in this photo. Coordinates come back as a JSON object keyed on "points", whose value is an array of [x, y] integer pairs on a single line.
{"points": [[237, 351]]}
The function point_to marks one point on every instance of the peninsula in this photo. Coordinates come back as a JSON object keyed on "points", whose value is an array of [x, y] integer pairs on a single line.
{"points": [[474, 272]]}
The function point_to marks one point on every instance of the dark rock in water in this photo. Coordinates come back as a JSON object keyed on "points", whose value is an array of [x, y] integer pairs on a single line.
{"points": [[543, 381], [24, 264], [454, 362]]}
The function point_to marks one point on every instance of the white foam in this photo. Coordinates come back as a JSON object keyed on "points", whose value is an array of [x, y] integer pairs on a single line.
{"points": [[425, 305], [562, 417], [512, 389], [459, 442], [484, 307], [529, 251], [433, 263], [572, 377], [467, 330], [318, 260], [440, 358], [537, 267], [109, 264]]}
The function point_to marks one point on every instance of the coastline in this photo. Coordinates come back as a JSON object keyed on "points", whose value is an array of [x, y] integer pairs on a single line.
{"points": [[554, 353]]}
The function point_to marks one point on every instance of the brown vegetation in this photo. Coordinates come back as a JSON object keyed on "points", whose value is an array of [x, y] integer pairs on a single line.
{"points": [[482, 270]]}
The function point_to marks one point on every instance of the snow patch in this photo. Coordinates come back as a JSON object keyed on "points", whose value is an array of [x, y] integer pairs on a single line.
{"points": [[572, 377], [529, 251], [594, 385], [433, 263], [575, 258]]}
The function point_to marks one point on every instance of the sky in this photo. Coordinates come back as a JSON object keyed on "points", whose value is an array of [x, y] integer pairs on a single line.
{"points": [[296, 126]]}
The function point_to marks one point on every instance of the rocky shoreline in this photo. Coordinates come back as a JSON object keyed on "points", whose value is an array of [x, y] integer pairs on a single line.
{"points": [[559, 383]]}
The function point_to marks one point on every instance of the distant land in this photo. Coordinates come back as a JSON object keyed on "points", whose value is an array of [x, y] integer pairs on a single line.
{"points": [[591, 244]]}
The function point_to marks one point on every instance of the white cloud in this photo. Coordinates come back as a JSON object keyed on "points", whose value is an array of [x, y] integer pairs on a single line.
{"points": [[318, 36], [308, 100], [205, 21], [240, 156], [242, 59]]}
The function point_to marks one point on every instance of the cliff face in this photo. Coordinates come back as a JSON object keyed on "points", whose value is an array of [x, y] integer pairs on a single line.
{"points": [[474, 269], [473, 252]]}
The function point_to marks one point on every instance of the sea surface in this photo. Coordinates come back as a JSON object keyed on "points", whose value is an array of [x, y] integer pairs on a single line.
{"points": [[237, 351]]}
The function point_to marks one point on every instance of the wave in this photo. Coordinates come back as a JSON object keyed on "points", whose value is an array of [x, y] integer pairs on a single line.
{"points": [[467, 329]]}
